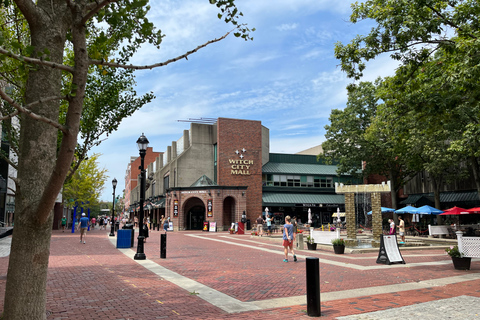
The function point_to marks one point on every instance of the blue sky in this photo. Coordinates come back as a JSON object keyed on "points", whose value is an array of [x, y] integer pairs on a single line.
{"points": [[287, 77]]}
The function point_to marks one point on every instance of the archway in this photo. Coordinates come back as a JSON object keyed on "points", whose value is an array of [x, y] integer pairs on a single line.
{"points": [[228, 212], [194, 209]]}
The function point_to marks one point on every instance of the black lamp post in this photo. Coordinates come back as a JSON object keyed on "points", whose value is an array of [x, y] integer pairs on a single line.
{"points": [[112, 230], [142, 144]]}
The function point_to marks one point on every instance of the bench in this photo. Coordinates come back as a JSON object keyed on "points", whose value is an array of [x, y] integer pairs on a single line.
{"points": [[323, 237], [438, 230]]}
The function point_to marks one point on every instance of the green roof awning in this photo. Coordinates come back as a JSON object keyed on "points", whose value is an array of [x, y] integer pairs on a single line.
{"points": [[299, 168], [203, 181], [160, 203], [290, 199]]}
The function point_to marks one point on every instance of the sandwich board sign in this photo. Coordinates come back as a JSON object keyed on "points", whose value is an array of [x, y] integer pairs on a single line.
{"points": [[389, 252]]}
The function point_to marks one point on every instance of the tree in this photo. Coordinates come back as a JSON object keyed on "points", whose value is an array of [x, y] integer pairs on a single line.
{"points": [[86, 183], [436, 43], [58, 28]]}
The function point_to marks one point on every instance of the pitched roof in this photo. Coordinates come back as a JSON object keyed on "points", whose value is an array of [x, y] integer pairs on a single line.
{"points": [[203, 181]]}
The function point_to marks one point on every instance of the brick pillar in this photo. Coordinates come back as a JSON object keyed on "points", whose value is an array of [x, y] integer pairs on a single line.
{"points": [[350, 215], [376, 216]]}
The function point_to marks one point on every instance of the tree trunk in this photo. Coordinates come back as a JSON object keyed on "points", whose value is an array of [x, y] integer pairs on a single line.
{"points": [[25, 295]]}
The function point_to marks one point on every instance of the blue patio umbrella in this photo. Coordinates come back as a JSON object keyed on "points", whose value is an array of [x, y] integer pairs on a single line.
{"points": [[426, 209], [407, 209], [384, 209]]}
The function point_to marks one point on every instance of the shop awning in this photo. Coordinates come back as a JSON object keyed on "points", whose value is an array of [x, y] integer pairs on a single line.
{"points": [[292, 199]]}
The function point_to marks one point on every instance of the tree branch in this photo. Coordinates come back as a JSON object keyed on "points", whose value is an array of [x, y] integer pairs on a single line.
{"points": [[35, 61], [448, 22], [94, 7], [28, 106], [161, 64], [31, 114], [28, 9]]}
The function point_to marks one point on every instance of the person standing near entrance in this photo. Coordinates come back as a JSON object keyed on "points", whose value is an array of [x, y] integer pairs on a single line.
{"points": [[288, 239], [401, 229], [83, 227], [260, 225]]}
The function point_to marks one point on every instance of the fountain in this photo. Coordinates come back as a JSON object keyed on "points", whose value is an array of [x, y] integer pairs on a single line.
{"points": [[350, 216]]}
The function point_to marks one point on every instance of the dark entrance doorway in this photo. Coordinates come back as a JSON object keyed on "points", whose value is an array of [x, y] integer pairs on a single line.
{"points": [[195, 218]]}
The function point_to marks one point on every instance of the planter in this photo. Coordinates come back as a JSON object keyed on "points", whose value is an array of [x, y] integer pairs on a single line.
{"points": [[311, 246], [461, 263], [232, 231], [339, 249]]}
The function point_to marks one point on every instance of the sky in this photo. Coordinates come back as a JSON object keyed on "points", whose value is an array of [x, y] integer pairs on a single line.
{"points": [[287, 77]]}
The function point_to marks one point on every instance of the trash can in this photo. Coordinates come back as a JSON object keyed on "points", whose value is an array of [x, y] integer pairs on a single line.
{"points": [[124, 238], [117, 225], [129, 226], [249, 226]]}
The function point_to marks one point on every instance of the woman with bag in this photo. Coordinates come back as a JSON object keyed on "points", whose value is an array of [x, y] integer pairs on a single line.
{"points": [[145, 229]]}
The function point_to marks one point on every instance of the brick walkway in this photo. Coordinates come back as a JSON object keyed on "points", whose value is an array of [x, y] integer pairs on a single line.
{"points": [[97, 281]]}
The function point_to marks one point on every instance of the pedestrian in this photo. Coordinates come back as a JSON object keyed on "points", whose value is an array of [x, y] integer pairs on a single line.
{"points": [[288, 238], [145, 229], [165, 223], [105, 223], [94, 221], [64, 223], [260, 225], [401, 230], [269, 225], [84, 222], [392, 226]]}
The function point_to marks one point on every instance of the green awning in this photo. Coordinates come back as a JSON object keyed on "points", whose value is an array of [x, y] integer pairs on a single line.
{"points": [[160, 203], [291, 199]]}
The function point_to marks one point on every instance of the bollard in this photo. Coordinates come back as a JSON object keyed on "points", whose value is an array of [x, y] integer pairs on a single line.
{"points": [[163, 246], [313, 287], [300, 244]]}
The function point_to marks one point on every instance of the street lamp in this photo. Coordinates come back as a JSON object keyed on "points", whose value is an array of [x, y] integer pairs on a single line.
{"points": [[112, 230], [142, 144]]}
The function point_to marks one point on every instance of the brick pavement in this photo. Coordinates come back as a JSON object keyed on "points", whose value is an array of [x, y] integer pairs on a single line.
{"points": [[97, 281]]}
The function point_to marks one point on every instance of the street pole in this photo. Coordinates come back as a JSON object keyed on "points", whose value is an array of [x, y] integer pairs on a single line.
{"points": [[112, 230], [142, 144]]}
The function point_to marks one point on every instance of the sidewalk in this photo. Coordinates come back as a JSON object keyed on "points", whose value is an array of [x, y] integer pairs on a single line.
{"points": [[219, 276]]}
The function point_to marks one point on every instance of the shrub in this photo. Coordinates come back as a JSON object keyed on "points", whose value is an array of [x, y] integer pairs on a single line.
{"points": [[338, 242]]}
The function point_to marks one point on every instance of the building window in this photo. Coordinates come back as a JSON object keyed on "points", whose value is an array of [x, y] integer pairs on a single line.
{"points": [[166, 181], [279, 180]]}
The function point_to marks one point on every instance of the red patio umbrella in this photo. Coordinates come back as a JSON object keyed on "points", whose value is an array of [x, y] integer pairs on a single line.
{"points": [[474, 210], [454, 211]]}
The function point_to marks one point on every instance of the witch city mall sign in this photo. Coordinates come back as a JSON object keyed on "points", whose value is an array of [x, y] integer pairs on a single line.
{"points": [[240, 166]]}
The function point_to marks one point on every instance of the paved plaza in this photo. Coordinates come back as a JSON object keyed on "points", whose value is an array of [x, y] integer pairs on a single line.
{"points": [[219, 276]]}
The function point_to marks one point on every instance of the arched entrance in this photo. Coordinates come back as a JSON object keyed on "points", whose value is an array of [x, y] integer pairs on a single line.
{"points": [[194, 214], [228, 212]]}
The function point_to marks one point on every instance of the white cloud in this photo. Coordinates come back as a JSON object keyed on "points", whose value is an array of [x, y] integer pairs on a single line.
{"points": [[287, 27]]}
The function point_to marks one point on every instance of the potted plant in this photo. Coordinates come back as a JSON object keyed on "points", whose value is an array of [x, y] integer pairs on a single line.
{"points": [[338, 245], [459, 261], [311, 245], [232, 230]]}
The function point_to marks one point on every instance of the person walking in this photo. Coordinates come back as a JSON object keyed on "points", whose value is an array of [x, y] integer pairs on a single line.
{"points": [[260, 225], [64, 223], [165, 223], [288, 238], [84, 222], [94, 221], [401, 230]]}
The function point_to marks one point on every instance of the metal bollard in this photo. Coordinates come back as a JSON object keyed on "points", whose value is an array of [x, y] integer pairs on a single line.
{"points": [[313, 287], [163, 246]]}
